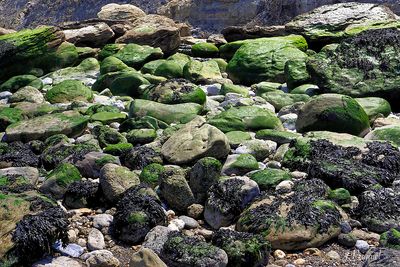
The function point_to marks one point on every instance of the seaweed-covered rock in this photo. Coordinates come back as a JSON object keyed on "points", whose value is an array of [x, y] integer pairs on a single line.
{"points": [[386, 133], [175, 189], [202, 72], [390, 239], [108, 136], [141, 156], [246, 118], [82, 194], [227, 199], [69, 91], [239, 164], [280, 99], [204, 174], [141, 136], [27, 94], [40, 128], [342, 167], [108, 117], [205, 50], [137, 213], [59, 179], [268, 178], [151, 174], [195, 140], [378, 209], [13, 84], [375, 106], [243, 249], [9, 116], [115, 180], [17, 154], [136, 56], [382, 257], [300, 220], [333, 112], [180, 251], [175, 91], [264, 59], [359, 67], [180, 113]]}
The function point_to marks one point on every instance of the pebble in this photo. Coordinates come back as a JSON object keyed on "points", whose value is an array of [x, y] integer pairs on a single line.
{"points": [[285, 186], [5, 95], [81, 242], [300, 262], [207, 234], [190, 223], [71, 250], [279, 254], [298, 175], [362, 246], [274, 164], [333, 255], [313, 251], [102, 220], [47, 80], [71, 235], [57, 262], [212, 89], [95, 240], [347, 240], [195, 211], [345, 227], [100, 258], [180, 224]]}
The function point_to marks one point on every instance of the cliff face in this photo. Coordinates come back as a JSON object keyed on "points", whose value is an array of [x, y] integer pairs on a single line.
{"points": [[207, 14]]}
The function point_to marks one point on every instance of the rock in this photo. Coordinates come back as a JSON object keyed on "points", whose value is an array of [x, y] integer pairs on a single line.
{"points": [[193, 141], [89, 34], [45, 126], [175, 189], [175, 91], [101, 221], [9, 116], [375, 106], [340, 139], [82, 194], [284, 186], [333, 112], [362, 246], [390, 239], [120, 12], [108, 136], [245, 118], [236, 33], [237, 89], [305, 223], [333, 255], [203, 174], [340, 196], [138, 211], [141, 156], [260, 149], [331, 23], [347, 240], [206, 50], [385, 133], [181, 113], [280, 99], [95, 240], [179, 250], [206, 72], [237, 137], [108, 117], [27, 94], [115, 180], [71, 250], [190, 223], [69, 91], [227, 199], [22, 51], [239, 164], [20, 81], [357, 173], [279, 254], [280, 137], [156, 238], [30, 173], [242, 248], [146, 258], [378, 210], [154, 30], [382, 257], [59, 179], [92, 162], [269, 178], [355, 60], [100, 258], [195, 211], [252, 62], [59, 261], [177, 224]]}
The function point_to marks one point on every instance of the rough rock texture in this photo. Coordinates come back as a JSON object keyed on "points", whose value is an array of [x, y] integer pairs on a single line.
{"points": [[194, 141], [88, 34]]}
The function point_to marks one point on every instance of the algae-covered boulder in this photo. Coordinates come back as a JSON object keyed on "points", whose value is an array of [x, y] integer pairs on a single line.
{"points": [[17, 82], [280, 99], [390, 239], [202, 72], [59, 179], [300, 220], [245, 118], [386, 133], [175, 91], [141, 136], [83, 194], [21, 50], [240, 164], [167, 113], [333, 112], [345, 167], [269, 178], [9, 116], [69, 91], [264, 59], [375, 106], [45, 126], [137, 213], [360, 66], [205, 50], [195, 140], [136, 56]]}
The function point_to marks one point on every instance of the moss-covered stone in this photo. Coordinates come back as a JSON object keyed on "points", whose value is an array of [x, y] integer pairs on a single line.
{"points": [[109, 50], [340, 196], [205, 50], [202, 72], [97, 108], [9, 116], [136, 56], [245, 118], [169, 69], [141, 136], [118, 149], [240, 164], [390, 239], [108, 117], [237, 89], [265, 87], [150, 67], [375, 106], [386, 133], [280, 99], [151, 174], [112, 64], [108, 136], [280, 137], [296, 73], [69, 91], [333, 112], [17, 82], [307, 89], [268, 179]]}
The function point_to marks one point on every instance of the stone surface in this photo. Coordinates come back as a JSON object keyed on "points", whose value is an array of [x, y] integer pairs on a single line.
{"points": [[146, 258]]}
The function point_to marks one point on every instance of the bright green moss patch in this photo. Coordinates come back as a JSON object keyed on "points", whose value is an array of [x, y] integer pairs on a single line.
{"points": [[151, 174], [105, 159], [65, 174], [270, 178], [137, 217]]}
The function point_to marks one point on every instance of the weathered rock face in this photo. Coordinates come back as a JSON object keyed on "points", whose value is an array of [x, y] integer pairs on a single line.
{"points": [[91, 34]]}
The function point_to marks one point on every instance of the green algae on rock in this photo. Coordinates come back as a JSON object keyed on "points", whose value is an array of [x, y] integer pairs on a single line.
{"points": [[69, 91]]}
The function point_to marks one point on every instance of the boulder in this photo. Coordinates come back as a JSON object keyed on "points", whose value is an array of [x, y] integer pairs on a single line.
{"points": [[268, 178], [227, 199], [29, 173], [332, 23], [120, 12], [239, 164], [154, 30], [202, 72], [9, 116], [83, 194], [356, 68], [386, 133], [300, 220], [146, 258], [375, 106], [195, 140], [333, 112], [280, 99], [20, 81], [88, 34], [69, 91], [45, 126], [27, 94], [382, 257], [115, 180], [235, 33]]}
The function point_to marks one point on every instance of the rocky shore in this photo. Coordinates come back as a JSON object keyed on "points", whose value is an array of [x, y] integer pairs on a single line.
{"points": [[126, 140]]}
